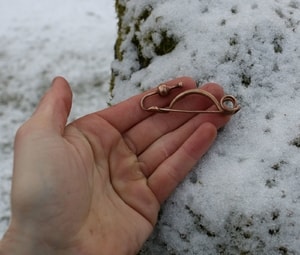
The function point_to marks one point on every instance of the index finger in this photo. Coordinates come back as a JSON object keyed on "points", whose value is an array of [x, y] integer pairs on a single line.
{"points": [[128, 113]]}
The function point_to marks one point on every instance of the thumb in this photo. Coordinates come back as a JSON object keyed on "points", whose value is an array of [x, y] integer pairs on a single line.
{"points": [[54, 108]]}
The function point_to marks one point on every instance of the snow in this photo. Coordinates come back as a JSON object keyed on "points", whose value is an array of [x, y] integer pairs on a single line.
{"points": [[38, 41], [244, 196]]}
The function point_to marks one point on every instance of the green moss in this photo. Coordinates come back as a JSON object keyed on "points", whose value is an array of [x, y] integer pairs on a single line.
{"points": [[143, 61], [132, 30], [117, 49], [142, 18], [112, 84], [145, 14], [167, 44], [120, 9]]}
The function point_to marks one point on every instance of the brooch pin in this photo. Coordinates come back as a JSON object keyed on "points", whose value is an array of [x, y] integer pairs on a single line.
{"points": [[227, 104]]}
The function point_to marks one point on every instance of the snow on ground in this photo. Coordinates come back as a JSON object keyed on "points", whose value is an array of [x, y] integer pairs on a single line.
{"points": [[38, 41], [244, 196]]}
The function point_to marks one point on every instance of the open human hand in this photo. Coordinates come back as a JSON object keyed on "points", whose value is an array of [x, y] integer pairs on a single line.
{"points": [[95, 186]]}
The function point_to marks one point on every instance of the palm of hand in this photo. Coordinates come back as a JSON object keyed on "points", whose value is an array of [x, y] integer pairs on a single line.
{"points": [[104, 176]]}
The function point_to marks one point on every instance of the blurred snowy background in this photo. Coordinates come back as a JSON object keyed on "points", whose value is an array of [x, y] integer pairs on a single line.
{"points": [[38, 41]]}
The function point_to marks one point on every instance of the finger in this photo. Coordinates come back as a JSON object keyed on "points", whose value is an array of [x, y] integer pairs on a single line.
{"points": [[54, 108], [162, 148], [173, 170], [128, 113], [148, 131]]}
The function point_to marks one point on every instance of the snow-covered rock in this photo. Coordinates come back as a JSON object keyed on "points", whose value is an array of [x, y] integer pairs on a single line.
{"points": [[244, 195]]}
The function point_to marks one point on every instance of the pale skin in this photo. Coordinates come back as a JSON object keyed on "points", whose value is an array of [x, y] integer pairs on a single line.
{"points": [[95, 186]]}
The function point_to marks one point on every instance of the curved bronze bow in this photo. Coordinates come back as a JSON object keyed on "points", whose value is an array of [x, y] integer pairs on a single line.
{"points": [[227, 104]]}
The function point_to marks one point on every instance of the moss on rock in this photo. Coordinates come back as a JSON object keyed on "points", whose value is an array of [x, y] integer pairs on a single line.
{"points": [[138, 40], [120, 10]]}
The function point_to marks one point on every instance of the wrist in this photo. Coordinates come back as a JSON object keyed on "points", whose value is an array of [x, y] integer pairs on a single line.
{"points": [[14, 243], [18, 242]]}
